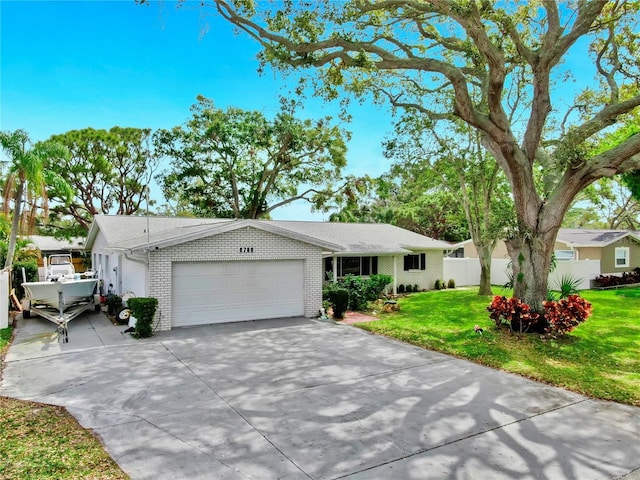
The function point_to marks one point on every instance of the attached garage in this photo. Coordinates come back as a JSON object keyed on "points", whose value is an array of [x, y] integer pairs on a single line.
{"points": [[205, 271], [236, 291]]}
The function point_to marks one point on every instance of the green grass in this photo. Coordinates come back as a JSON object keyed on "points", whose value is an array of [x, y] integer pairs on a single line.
{"points": [[5, 337], [599, 358], [46, 442], [40, 441]]}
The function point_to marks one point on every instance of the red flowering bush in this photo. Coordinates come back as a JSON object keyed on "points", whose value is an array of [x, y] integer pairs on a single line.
{"points": [[512, 311], [566, 314], [559, 318]]}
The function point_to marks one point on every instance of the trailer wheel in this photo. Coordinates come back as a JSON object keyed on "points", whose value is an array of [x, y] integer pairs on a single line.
{"points": [[26, 314], [123, 316]]}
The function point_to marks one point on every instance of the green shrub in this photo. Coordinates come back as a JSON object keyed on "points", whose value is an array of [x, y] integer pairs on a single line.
{"points": [[415, 287], [144, 309], [401, 288], [114, 304], [31, 272], [568, 285], [437, 285], [451, 283], [364, 290], [376, 285], [338, 298], [360, 291], [357, 289], [408, 288]]}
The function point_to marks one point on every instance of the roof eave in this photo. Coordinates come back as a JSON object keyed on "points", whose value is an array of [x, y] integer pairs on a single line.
{"points": [[230, 226]]}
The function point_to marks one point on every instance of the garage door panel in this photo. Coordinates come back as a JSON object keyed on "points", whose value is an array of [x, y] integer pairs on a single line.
{"points": [[217, 292]]}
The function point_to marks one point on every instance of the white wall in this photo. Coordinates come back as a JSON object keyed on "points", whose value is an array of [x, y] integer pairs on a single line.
{"points": [[4, 298], [585, 270], [466, 271], [425, 279], [125, 275], [133, 277]]}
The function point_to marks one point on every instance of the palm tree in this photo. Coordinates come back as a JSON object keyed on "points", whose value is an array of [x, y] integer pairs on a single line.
{"points": [[26, 174]]}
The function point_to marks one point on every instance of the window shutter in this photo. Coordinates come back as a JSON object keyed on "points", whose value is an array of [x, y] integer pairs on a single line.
{"points": [[374, 265], [407, 262], [423, 261]]}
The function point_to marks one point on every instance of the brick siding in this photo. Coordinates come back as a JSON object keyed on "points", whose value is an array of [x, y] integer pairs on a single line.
{"points": [[226, 247]]}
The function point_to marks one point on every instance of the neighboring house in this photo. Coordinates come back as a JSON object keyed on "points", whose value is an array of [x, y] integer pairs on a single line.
{"points": [[220, 270], [617, 251]]}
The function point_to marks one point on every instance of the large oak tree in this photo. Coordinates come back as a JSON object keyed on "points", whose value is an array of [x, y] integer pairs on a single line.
{"points": [[418, 55], [238, 164]]}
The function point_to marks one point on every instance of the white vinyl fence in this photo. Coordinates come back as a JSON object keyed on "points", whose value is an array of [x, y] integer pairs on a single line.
{"points": [[466, 271], [4, 298]]}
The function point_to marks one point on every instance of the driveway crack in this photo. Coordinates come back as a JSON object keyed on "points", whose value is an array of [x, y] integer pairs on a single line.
{"points": [[237, 412]]}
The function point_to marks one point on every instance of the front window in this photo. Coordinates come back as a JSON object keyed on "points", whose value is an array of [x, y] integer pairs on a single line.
{"points": [[415, 262], [622, 257], [359, 266]]}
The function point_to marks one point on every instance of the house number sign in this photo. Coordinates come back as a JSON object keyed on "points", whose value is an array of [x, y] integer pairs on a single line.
{"points": [[246, 249]]}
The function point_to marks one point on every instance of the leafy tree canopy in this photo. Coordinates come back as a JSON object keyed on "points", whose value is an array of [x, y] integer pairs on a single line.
{"points": [[109, 171], [401, 198], [239, 164]]}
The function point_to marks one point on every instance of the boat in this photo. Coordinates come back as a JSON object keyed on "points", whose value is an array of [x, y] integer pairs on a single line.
{"points": [[63, 295]]}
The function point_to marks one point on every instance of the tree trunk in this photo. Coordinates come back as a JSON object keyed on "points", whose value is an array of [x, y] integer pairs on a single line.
{"points": [[484, 255], [15, 224], [531, 258]]}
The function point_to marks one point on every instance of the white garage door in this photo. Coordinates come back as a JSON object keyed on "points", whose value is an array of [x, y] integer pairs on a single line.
{"points": [[218, 292]]}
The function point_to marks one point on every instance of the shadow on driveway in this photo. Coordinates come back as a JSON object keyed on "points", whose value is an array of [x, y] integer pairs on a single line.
{"points": [[301, 399]]}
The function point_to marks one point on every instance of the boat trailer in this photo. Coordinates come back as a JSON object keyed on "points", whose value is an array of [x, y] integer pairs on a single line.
{"points": [[62, 316]]}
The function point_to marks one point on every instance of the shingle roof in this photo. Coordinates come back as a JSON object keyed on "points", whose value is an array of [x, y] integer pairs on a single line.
{"points": [[366, 237], [579, 237], [130, 233], [122, 228], [582, 237], [52, 244]]}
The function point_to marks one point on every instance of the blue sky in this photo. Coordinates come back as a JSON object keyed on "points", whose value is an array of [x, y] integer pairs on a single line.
{"points": [[77, 64]]}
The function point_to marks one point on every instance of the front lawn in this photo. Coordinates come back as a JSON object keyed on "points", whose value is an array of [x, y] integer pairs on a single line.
{"points": [[45, 441], [599, 358]]}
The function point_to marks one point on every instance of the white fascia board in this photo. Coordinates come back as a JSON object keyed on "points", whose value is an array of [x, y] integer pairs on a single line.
{"points": [[412, 249], [94, 229], [367, 253]]}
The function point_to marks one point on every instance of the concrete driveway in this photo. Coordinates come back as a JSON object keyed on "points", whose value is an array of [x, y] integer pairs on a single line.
{"points": [[300, 399]]}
